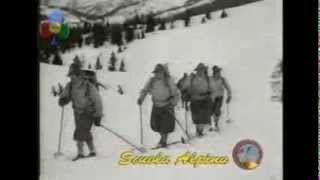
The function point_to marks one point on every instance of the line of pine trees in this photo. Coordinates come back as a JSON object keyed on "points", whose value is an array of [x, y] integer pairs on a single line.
{"points": [[98, 65], [117, 34]]}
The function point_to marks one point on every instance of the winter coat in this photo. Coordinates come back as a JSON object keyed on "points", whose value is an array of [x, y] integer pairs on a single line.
{"points": [[84, 96], [163, 93], [196, 86], [217, 86]]}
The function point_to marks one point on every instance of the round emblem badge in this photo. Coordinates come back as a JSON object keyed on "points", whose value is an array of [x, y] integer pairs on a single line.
{"points": [[247, 154]]}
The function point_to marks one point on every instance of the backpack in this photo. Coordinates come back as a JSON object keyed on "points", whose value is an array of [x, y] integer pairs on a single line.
{"points": [[166, 81], [186, 94]]}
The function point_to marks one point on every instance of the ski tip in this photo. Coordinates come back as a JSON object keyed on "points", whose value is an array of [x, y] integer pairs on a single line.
{"points": [[142, 150]]}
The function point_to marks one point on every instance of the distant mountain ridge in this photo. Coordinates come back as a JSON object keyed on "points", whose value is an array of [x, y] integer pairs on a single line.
{"points": [[104, 9]]}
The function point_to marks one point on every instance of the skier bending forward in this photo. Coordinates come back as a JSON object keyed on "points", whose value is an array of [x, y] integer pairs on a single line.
{"points": [[87, 107], [165, 97]]}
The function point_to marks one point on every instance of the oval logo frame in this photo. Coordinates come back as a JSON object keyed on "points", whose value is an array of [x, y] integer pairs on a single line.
{"points": [[247, 154]]}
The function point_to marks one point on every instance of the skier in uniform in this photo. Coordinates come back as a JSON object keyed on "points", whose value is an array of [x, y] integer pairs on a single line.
{"points": [[217, 86], [87, 107], [197, 87], [165, 97]]}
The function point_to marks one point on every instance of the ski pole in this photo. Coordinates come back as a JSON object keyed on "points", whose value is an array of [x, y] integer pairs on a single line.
{"points": [[178, 122], [140, 149], [61, 126], [180, 125], [227, 109], [141, 127], [186, 116], [58, 153]]}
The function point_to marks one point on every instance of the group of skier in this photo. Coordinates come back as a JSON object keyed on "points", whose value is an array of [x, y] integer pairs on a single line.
{"points": [[203, 93]]}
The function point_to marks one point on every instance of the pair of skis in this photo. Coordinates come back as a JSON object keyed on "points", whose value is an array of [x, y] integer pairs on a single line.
{"points": [[136, 147]]}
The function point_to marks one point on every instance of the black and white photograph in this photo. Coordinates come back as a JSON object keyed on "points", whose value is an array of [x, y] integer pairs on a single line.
{"points": [[160, 89]]}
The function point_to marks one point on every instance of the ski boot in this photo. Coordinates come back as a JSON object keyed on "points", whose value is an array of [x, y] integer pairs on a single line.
{"points": [[162, 145], [92, 154], [163, 141], [199, 133], [210, 123], [79, 156], [216, 128]]}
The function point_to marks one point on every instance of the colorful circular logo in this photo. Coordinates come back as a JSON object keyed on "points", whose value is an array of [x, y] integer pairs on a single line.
{"points": [[54, 27], [247, 154]]}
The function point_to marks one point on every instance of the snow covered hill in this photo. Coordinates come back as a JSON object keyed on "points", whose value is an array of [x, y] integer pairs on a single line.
{"points": [[100, 7], [128, 9], [247, 45], [125, 8]]}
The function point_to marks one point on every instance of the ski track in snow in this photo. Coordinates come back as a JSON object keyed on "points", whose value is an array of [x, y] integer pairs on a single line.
{"points": [[247, 45]]}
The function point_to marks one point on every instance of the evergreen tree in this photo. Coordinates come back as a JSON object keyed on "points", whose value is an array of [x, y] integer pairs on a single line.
{"points": [[129, 32], [98, 65], [223, 14], [77, 61], [116, 34], [119, 49], [203, 20], [137, 19], [106, 31], [122, 67], [99, 37], [72, 38], [87, 28], [113, 61], [57, 59], [150, 23], [88, 40], [143, 31], [208, 15], [187, 19], [162, 25], [96, 36]]}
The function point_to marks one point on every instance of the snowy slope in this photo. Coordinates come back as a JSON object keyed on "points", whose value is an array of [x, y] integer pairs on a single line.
{"points": [[247, 45]]}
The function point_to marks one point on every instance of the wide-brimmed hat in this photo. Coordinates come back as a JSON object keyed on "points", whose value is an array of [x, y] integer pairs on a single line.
{"points": [[159, 68], [88, 72], [201, 66], [74, 69], [216, 68]]}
